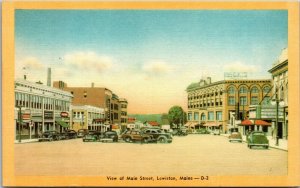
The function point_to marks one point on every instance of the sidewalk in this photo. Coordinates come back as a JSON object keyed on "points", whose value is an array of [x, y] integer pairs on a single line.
{"points": [[282, 144], [26, 141]]}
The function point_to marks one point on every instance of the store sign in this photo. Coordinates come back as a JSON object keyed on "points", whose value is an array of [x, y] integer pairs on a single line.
{"points": [[265, 112], [48, 115], [64, 114], [25, 116]]}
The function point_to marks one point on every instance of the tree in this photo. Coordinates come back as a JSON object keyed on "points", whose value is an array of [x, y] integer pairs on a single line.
{"points": [[176, 116]]}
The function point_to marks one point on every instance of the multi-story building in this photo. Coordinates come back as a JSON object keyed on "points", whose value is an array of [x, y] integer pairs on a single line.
{"points": [[123, 103], [211, 104], [279, 73], [42, 108], [88, 117], [95, 96]]}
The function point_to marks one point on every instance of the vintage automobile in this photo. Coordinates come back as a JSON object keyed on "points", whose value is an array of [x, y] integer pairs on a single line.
{"points": [[136, 135], [235, 136], [91, 136], [257, 138], [69, 134], [109, 136], [82, 132], [158, 135], [49, 136]]}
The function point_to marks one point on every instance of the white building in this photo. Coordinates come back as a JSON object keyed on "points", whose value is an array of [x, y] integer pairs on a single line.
{"points": [[42, 108], [88, 117]]}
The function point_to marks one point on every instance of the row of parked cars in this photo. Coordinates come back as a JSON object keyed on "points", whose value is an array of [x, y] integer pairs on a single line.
{"points": [[54, 135], [140, 135], [254, 138]]}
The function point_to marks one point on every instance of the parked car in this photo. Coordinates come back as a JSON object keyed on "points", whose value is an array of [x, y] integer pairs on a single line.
{"points": [[136, 135], [91, 136], [69, 134], [158, 135], [257, 138], [235, 136], [110, 135], [180, 132], [49, 136], [82, 132], [202, 131]]}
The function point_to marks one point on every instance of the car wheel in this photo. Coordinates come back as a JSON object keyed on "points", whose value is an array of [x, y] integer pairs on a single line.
{"points": [[162, 139], [146, 140], [128, 139], [267, 147], [250, 146]]}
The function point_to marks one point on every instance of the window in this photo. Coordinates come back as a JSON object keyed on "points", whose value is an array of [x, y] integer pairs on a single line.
{"points": [[266, 89], [266, 100], [243, 100], [231, 101], [210, 115], [203, 117], [254, 100], [254, 90], [243, 90], [219, 115], [196, 116], [231, 90], [189, 116]]}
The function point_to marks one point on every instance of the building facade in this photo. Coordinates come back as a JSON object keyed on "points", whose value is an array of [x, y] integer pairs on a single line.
{"points": [[211, 104], [88, 117], [279, 73], [39, 108], [97, 97], [124, 117]]}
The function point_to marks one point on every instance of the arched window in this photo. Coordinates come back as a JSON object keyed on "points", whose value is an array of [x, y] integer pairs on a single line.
{"points": [[243, 89], [254, 90], [266, 89], [231, 90]]}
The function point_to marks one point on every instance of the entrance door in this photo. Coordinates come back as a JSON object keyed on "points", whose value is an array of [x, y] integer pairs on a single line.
{"points": [[279, 132]]}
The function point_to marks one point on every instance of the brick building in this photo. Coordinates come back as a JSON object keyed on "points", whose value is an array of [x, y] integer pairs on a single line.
{"points": [[210, 104], [95, 96]]}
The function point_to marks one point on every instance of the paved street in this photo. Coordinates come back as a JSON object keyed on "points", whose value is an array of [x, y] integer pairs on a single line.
{"points": [[189, 155]]}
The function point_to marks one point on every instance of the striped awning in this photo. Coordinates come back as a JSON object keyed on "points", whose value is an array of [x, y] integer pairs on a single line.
{"points": [[262, 123], [246, 122], [63, 124], [212, 124]]}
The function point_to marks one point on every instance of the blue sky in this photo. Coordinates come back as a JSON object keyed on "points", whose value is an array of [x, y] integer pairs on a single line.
{"points": [[147, 54]]}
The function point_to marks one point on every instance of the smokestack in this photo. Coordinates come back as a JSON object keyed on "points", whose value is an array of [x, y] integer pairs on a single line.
{"points": [[208, 80], [93, 84], [49, 77]]}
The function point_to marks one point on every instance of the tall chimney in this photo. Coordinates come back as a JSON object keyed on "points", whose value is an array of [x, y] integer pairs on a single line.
{"points": [[93, 84], [49, 77]]}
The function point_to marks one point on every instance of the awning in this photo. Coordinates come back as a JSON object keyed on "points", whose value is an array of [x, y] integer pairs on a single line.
{"points": [[212, 124], [62, 123], [187, 124], [193, 124], [246, 122], [262, 123]]}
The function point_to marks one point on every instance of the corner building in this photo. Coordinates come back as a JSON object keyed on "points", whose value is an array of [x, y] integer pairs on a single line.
{"points": [[210, 104]]}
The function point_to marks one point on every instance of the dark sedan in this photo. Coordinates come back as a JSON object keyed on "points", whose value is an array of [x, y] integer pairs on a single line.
{"points": [[69, 134], [50, 136]]}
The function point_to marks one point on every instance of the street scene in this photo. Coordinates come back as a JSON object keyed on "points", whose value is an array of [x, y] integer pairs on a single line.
{"points": [[186, 155], [144, 93]]}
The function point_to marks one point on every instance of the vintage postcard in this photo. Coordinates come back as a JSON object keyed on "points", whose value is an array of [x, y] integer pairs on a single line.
{"points": [[140, 93]]}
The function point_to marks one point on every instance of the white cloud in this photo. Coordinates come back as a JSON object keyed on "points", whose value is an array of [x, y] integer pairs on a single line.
{"points": [[32, 63], [157, 67], [88, 61], [241, 67]]}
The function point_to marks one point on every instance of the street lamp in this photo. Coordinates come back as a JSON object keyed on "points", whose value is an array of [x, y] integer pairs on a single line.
{"points": [[276, 101], [20, 121]]}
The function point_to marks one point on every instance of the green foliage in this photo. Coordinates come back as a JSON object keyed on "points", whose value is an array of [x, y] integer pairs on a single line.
{"points": [[147, 117], [176, 115]]}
